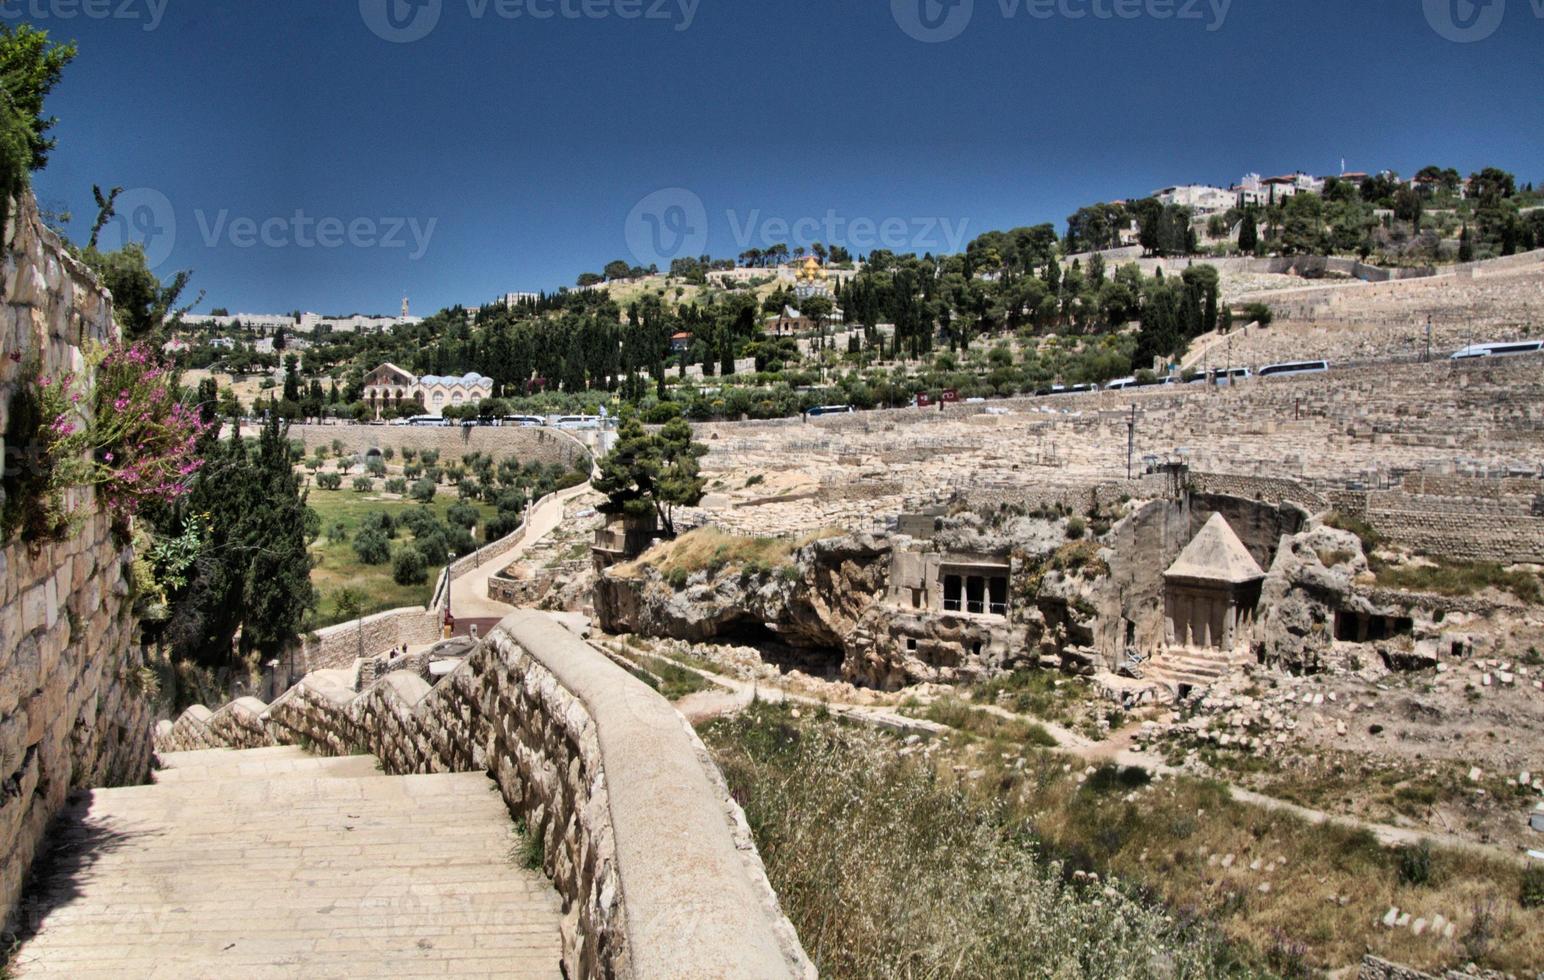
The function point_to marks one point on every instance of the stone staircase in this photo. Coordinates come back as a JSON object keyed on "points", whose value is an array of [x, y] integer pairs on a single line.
{"points": [[272, 862], [1190, 668]]}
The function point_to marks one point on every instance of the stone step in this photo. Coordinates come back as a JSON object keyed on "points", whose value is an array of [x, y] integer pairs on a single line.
{"points": [[272, 864], [216, 757], [305, 767]]}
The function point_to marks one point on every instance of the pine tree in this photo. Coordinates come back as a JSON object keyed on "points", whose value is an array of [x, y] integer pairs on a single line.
{"points": [[1248, 234]]}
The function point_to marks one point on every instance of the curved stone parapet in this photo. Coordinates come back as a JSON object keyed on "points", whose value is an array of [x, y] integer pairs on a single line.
{"points": [[655, 862]]}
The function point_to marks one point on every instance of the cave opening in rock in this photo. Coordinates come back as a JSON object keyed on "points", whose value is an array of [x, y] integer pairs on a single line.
{"points": [[1355, 627], [821, 662]]}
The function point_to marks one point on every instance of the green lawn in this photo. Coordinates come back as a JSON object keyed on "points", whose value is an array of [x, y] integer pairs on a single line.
{"points": [[337, 565]]}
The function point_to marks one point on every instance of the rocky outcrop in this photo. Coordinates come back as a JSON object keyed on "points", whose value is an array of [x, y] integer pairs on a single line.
{"points": [[815, 601], [1310, 579]]}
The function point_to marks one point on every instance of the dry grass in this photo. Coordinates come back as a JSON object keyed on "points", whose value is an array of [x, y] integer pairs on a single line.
{"points": [[1452, 578], [1328, 887], [960, 715], [1172, 835], [711, 550], [888, 870]]}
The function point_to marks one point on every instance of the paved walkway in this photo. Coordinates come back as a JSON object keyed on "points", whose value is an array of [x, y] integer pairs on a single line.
{"points": [[275, 863], [469, 593]]}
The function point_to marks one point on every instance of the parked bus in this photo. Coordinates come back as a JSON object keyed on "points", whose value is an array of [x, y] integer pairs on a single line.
{"points": [[1294, 368], [1499, 350], [574, 422], [816, 413], [524, 421]]}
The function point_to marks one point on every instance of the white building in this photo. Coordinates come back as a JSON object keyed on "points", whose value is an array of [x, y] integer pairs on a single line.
{"points": [[261, 321], [312, 322], [1200, 198], [392, 386], [1260, 191]]}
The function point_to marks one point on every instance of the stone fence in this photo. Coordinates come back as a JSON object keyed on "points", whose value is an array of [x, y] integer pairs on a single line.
{"points": [[543, 445], [338, 646], [74, 710], [656, 866]]}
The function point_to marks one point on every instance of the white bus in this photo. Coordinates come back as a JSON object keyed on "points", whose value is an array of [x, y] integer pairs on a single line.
{"points": [[1294, 368], [576, 422], [524, 421], [1499, 350], [816, 413]]}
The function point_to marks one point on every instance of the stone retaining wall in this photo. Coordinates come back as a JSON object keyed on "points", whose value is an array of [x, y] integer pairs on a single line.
{"points": [[73, 706], [339, 646], [655, 863], [1259, 488], [1375, 968], [543, 445], [1462, 536]]}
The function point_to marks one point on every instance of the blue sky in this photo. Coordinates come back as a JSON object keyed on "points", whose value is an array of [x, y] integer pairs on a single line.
{"points": [[499, 153]]}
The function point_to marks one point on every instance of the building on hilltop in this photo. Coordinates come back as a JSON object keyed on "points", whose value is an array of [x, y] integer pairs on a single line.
{"points": [[1200, 198], [389, 386], [1260, 191], [307, 323]]}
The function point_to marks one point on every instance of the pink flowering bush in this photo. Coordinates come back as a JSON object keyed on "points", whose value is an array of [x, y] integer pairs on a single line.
{"points": [[138, 443]]}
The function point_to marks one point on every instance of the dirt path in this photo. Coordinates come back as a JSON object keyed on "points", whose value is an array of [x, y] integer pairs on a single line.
{"points": [[712, 704]]}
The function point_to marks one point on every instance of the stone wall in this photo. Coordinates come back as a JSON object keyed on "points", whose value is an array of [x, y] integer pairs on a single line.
{"points": [[73, 710], [1269, 489], [339, 646], [655, 863], [1463, 536], [1375, 968], [542, 445]]}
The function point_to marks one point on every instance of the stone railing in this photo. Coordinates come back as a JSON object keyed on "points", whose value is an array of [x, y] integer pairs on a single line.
{"points": [[654, 861]]}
